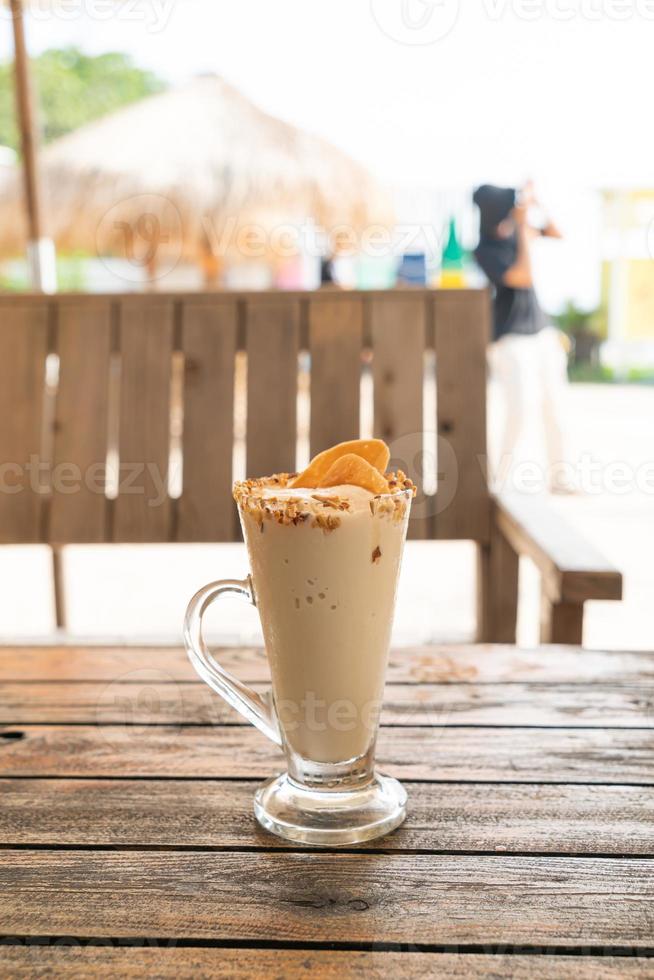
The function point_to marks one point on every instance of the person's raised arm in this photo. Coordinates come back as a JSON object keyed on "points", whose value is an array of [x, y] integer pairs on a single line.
{"points": [[519, 276], [551, 230]]}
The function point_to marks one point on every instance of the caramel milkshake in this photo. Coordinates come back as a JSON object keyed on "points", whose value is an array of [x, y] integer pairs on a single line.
{"points": [[325, 547], [325, 550]]}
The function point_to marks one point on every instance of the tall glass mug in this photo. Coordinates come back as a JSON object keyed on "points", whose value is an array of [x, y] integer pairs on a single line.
{"points": [[324, 571]]}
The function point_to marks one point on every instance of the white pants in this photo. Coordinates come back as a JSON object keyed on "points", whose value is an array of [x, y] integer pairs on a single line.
{"points": [[532, 372]]}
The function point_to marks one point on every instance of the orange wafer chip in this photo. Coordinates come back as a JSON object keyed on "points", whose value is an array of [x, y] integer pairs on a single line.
{"points": [[375, 452], [355, 472]]}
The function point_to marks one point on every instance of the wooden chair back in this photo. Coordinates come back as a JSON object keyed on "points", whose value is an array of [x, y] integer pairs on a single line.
{"points": [[89, 382]]}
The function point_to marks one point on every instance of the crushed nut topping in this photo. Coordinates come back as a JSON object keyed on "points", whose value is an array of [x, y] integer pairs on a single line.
{"points": [[255, 499], [338, 503], [398, 480]]}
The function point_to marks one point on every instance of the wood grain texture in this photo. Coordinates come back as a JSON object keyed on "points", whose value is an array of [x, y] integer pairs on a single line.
{"points": [[81, 424], [561, 622], [437, 664], [500, 818], [572, 570], [272, 338], [461, 329], [614, 756], [78, 963], [142, 511], [206, 509], [316, 897], [149, 697], [518, 840], [398, 329], [335, 340], [23, 349], [497, 589]]}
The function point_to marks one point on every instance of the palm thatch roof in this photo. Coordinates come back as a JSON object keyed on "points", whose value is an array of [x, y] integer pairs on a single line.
{"points": [[200, 161]]}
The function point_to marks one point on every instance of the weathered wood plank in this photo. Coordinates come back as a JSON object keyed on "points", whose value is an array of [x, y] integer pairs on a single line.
{"points": [[187, 963], [81, 420], [461, 325], [23, 349], [335, 340], [317, 897], [145, 697], [272, 337], [572, 569], [398, 326], [437, 664], [142, 511], [613, 756], [206, 509], [506, 818]]}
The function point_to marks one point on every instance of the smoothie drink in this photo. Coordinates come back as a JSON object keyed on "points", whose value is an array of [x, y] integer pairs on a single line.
{"points": [[325, 547], [325, 566]]}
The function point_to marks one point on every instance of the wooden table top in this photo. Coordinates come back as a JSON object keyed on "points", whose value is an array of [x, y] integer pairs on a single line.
{"points": [[129, 846]]}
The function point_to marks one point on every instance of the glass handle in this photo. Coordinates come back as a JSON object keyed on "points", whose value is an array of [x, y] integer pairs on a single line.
{"points": [[256, 708]]}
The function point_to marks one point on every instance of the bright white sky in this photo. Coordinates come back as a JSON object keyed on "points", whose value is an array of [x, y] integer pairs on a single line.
{"points": [[557, 89], [426, 93]]}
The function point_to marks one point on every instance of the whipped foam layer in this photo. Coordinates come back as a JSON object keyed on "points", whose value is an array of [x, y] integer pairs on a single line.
{"points": [[357, 498]]}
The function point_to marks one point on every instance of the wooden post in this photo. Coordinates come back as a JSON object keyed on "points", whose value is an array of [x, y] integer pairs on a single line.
{"points": [[561, 622], [497, 589], [40, 251], [58, 585]]}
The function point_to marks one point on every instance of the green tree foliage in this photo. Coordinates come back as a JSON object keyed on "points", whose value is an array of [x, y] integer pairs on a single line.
{"points": [[73, 88]]}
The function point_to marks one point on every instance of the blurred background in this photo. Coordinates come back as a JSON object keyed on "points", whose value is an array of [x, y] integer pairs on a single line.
{"points": [[258, 145]]}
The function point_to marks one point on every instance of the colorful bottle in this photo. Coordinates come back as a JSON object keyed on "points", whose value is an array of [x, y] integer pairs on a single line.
{"points": [[452, 274]]}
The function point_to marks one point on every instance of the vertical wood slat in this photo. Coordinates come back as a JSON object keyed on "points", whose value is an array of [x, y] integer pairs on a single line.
{"points": [[272, 338], [206, 508], [23, 349], [497, 589], [398, 325], [80, 440], [461, 322], [272, 331], [335, 341], [142, 511]]}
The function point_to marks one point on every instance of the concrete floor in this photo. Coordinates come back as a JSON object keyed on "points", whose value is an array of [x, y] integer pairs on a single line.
{"points": [[615, 425], [138, 591]]}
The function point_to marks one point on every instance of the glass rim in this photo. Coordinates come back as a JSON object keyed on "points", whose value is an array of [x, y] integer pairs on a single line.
{"points": [[252, 488]]}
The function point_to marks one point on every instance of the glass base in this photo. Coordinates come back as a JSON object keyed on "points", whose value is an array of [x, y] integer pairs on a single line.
{"points": [[329, 818]]}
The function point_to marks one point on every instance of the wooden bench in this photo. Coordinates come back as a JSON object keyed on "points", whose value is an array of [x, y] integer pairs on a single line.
{"points": [[90, 379]]}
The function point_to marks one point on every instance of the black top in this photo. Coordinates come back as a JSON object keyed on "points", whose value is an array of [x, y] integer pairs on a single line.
{"points": [[514, 310]]}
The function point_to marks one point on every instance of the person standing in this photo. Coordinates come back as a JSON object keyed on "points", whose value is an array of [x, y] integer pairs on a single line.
{"points": [[527, 354]]}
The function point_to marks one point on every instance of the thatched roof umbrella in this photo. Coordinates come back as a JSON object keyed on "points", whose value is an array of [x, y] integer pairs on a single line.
{"points": [[182, 173]]}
